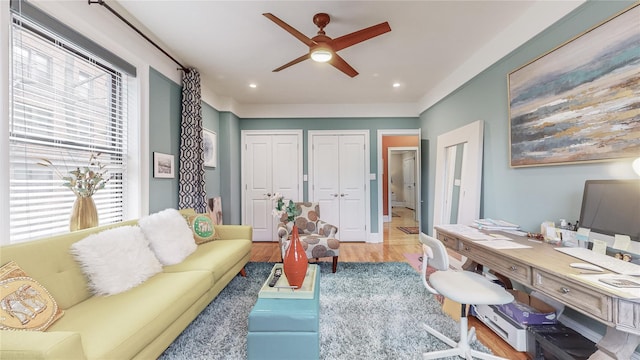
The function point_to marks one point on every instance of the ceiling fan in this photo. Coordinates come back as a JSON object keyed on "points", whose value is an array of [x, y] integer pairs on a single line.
{"points": [[324, 49]]}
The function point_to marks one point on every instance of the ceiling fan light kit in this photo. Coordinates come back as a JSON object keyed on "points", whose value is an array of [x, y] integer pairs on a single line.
{"points": [[321, 54], [323, 48]]}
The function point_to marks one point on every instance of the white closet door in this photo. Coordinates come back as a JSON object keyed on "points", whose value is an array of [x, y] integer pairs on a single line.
{"points": [[285, 166], [352, 188], [271, 165], [339, 183], [326, 177], [258, 186]]}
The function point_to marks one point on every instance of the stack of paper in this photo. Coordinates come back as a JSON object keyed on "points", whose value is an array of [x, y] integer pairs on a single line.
{"points": [[466, 231], [491, 224]]}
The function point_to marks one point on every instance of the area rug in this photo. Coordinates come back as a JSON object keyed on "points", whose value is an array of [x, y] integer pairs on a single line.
{"points": [[409, 229], [367, 311]]}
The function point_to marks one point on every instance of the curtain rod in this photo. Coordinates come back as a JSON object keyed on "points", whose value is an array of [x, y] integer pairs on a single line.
{"points": [[101, 2]]}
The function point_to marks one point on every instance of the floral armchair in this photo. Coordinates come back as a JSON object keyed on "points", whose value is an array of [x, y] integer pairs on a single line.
{"points": [[318, 238]]}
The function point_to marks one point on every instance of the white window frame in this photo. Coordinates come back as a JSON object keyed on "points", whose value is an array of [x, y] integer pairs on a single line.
{"points": [[137, 125]]}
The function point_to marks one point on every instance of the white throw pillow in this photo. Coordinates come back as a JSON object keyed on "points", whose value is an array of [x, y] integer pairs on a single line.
{"points": [[169, 234], [116, 260]]}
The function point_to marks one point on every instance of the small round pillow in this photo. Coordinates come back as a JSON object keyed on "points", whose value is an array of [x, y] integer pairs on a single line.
{"points": [[202, 227]]}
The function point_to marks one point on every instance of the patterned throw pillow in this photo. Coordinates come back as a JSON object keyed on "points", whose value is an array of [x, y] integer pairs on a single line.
{"points": [[203, 229], [24, 303]]}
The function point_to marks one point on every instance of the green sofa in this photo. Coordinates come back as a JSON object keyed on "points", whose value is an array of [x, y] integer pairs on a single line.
{"points": [[137, 324]]}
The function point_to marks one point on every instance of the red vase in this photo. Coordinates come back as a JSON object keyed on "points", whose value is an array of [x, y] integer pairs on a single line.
{"points": [[295, 260]]}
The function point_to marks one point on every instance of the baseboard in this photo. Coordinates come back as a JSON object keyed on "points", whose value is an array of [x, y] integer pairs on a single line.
{"points": [[386, 218], [588, 333]]}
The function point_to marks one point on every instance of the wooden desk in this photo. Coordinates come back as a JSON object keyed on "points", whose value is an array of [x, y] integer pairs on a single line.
{"points": [[546, 270]]}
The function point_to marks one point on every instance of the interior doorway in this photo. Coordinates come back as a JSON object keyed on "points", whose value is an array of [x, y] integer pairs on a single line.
{"points": [[402, 167], [399, 174]]}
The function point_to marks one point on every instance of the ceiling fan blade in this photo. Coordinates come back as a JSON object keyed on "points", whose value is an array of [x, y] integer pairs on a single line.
{"points": [[297, 34], [293, 62], [342, 65], [359, 36]]}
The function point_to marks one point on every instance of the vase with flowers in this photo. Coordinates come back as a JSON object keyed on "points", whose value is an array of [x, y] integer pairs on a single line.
{"points": [[84, 182], [295, 259]]}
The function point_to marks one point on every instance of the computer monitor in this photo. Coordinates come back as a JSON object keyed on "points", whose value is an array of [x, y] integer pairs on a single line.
{"points": [[611, 207]]}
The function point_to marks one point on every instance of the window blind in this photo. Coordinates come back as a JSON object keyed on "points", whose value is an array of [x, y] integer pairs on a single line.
{"points": [[66, 104]]}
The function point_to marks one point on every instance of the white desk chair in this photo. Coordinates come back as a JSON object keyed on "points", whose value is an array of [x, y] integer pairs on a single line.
{"points": [[464, 287]]}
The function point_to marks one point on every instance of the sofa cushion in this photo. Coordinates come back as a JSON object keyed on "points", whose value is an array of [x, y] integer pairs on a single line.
{"points": [[116, 260], [24, 303], [41, 345], [169, 234], [49, 262], [217, 257], [120, 326], [202, 227]]}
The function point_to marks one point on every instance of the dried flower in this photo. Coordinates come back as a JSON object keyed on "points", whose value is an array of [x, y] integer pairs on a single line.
{"points": [[83, 181], [281, 209]]}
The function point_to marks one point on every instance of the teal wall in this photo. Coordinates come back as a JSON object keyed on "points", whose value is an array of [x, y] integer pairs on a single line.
{"points": [[229, 158], [164, 137], [165, 112], [306, 124], [527, 196]]}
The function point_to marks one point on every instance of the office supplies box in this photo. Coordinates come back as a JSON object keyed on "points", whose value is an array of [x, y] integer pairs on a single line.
{"points": [[557, 342], [528, 310], [510, 331]]}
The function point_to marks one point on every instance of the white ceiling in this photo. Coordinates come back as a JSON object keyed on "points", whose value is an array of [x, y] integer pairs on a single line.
{"points": [[433, 47]]}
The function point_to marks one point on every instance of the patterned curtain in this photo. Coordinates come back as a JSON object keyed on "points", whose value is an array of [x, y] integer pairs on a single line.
{"points": [[192, 193]]}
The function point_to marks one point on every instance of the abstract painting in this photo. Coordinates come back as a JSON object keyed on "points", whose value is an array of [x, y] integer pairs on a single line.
{"points": [[580, 101], [210, 143]]}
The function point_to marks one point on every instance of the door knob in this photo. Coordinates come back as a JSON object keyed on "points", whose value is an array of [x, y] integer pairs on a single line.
{"points": [[334, 195], [268, 194]]}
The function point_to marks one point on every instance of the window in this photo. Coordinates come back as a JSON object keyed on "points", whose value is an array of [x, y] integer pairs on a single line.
{"points": [[65, 104], [35, 66]]}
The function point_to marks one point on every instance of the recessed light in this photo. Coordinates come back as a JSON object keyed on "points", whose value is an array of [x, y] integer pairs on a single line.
{"points": [[395, 85], [253, 86]]}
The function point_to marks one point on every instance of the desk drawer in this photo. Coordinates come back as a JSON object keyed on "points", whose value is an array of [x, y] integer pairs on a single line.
{"points": [[574, 295], [510, 268], [448, 241]]}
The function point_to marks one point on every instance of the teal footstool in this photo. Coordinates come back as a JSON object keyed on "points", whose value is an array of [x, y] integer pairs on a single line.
{"points": [[283, 329]]}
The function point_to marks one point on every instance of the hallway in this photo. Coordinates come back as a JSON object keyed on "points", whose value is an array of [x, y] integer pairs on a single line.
{"points": [[401, 217]]}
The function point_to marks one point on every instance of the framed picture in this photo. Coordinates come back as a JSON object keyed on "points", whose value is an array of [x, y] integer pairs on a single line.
{"points": [[210, 141], [578, 102], [215, 210], [163, 166]]}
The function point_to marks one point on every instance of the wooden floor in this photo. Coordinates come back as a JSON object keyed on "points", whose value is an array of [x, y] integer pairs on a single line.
{"points": [[395, 244]]}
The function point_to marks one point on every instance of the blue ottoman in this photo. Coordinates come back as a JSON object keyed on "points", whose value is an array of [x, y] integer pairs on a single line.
{"points": [[283, 329]]}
